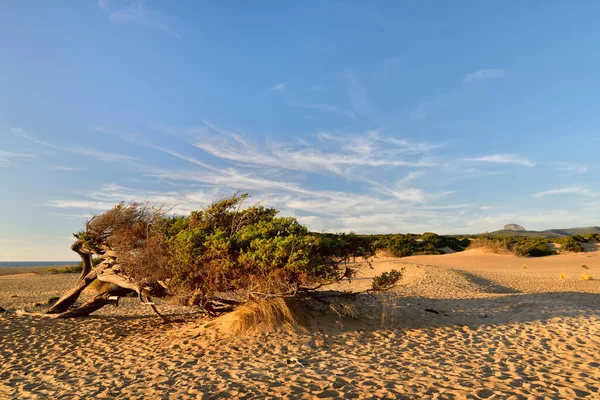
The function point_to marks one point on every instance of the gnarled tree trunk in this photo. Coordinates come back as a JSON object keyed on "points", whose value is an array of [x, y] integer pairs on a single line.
{"points": [[96, 303], [107, 271], [69, 298]]}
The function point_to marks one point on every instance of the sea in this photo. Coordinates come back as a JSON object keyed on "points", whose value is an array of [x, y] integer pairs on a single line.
{"points": [[36, 263]]}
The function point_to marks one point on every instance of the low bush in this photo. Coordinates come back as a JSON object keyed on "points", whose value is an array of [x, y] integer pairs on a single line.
{"points": [[69, 269], [404, 245], [518, 245], [386, 280], [570, 244], [247, 253]]}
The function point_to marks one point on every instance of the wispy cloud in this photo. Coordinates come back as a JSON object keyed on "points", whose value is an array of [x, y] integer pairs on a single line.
{"points": [[81, 151], [358, 95], [330, 109], [426, 108], [137, 12], [484, 74], [349, 153], [67, 169], [82, 204], [9, 157], [504, 159], [571, 169], [278, 87], [386, 181], [580, 190]]}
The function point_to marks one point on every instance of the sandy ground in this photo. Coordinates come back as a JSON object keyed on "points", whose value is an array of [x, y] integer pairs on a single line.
{"points": [[498, 331], [23, 270]]}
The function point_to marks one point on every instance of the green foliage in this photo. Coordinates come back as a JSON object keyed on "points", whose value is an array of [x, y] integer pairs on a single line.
{"points": [[251, 252], [571, 244], [386, 280], [69, 269], [247, 252], [530, 246], [404, 245], [521, 246], [592, 236]]}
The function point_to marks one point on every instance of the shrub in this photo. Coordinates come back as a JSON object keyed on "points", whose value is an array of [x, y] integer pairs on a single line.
{"points": [[518, 245], [562, 276], [247, 252], [386, 280], [69, 269], [570, 244], [585, 277]]}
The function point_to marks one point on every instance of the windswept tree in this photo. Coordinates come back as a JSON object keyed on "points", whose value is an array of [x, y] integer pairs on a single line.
{"points": [[216, 258]]}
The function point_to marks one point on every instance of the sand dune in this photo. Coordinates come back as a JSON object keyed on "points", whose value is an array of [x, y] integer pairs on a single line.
{"points": [[498, 331]]}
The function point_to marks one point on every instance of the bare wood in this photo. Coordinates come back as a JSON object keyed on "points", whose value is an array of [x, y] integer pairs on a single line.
{"points": [[86, 259], [69, 298], [96, 303], [116, 275], [153, 307]]}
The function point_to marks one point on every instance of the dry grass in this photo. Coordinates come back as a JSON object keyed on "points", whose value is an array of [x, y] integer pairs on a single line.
{"points": [[490, 246], [585, 277], [261, 316], [344, 310], [562, 276], [524, 266]]}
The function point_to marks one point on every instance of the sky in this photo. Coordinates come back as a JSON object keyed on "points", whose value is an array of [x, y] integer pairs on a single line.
{"points": [[372, 117]]}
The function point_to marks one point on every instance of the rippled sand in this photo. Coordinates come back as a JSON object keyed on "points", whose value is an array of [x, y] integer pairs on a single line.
{"points": [[498, 331]]}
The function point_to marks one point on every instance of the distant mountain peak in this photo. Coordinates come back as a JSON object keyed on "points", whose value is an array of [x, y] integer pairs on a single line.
{"points": [[514, 227]]}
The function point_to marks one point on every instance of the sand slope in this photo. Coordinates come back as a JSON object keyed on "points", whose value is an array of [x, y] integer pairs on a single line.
{"points": [[502, 332]]}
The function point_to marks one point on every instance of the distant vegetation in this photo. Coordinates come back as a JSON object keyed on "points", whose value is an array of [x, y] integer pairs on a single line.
{"points": [[592, 231], [532, 246], [73, 269], [69, 269], [520, 246], [404, 245]]}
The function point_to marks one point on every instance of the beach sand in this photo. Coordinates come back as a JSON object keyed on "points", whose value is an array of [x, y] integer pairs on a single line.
{"points": [[493, 330]]}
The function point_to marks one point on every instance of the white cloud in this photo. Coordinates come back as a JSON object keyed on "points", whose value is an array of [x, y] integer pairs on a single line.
{"points": [[67, 169], [504, 159], [354, 154], [278, 87], [380, 190], [328, 108], [79, 204], [9, 157], [571, 169], [568, 190], [484, 74], [138, 13], [80, 151]]}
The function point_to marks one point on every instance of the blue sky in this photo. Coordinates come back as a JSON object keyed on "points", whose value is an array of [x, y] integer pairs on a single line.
{"points": [[400, 116]]}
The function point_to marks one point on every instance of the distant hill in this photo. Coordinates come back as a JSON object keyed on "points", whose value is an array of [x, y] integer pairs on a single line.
{"points": [[514, 227], [549, 233]]}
